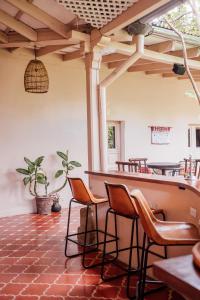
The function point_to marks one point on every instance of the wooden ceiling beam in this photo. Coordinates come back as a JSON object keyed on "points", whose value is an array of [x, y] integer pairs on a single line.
{"points": [[75, 54], [28, 44], [114, 57], [41, 16], [196, 78], [138, 10], [169, 74], [3, 37], [158, 71], [48, 34], [172, 74], [169, 59], [47, 37], [116, 64], [18, 26], [17, 16], [162, 47], [191, 52], [50, 49], [147, 67]]}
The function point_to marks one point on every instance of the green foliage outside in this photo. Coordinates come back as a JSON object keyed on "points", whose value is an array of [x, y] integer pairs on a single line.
{"points": [[185, 20]]}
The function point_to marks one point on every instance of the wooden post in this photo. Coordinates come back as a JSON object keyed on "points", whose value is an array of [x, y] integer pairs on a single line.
{"points": [[92, 63]]}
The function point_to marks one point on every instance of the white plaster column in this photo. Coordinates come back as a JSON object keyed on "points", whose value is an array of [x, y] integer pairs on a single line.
{"points": [[103, 134], [92, 63]]}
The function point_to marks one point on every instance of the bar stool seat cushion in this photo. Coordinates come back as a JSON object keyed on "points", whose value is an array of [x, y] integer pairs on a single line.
{"points": [[164, 232], [177, 232]]}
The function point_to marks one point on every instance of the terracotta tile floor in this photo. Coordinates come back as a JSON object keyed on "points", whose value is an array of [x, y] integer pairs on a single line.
{"points": [[33, 265]]}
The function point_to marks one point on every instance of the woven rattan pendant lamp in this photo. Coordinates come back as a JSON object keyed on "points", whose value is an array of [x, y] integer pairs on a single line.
{"points": [[36, 78]]}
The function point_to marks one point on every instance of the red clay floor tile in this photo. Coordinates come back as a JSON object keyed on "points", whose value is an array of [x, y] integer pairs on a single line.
{"points": [[13, 288], [46, 278], [26, 297], [67, 279], [25, 278], [58, 290], [33, 265], [35, 289]]}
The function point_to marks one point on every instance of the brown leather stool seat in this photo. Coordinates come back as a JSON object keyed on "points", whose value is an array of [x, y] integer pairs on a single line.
{"points": [[164, 233], [82, 195]]}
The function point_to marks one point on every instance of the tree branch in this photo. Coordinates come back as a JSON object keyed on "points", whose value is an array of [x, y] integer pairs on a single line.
{"points": [[185, 59]]}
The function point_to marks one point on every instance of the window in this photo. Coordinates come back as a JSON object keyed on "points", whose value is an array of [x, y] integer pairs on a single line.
{"points": [[194, 136], [111, 137], [189, 137], [197, 137]]}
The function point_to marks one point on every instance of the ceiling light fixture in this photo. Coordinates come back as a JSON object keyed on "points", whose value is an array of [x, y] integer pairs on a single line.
{"points": [[36, 78]]}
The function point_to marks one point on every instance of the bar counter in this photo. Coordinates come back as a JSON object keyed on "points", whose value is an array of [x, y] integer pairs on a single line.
{"points": [[179, 181], [178, 197]]}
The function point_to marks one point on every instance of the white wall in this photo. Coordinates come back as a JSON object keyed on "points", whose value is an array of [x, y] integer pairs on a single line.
{"points": [[39, 124], [142, 101], [33, 125]]}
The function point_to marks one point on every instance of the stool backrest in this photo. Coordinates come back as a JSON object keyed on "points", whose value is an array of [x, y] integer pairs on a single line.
{"points": [[147, 218], [79, 190], [120, 200], [127, 166]]}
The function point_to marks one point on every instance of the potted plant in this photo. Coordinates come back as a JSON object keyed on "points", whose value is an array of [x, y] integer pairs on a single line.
{"points": [[35, 178]]}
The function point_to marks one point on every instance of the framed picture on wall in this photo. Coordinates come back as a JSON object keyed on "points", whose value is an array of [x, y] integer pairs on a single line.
{"points": [[160, 135]]}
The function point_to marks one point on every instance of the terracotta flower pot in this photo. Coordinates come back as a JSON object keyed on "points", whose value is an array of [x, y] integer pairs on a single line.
{"points": [[43, 204]]}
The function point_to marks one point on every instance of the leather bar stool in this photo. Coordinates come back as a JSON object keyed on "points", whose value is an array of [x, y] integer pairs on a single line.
{"points": [[121, 204], [82, 195], [163, 233]]}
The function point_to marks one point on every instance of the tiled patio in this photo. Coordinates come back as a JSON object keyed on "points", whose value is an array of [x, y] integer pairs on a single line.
{"points": [[33, 265]]}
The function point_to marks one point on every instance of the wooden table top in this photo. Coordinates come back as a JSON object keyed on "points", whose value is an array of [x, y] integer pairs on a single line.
{"points": [[180, 274], [163, 165]]}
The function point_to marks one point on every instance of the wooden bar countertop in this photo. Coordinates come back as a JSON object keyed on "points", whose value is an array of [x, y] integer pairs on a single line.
{"points": [[179, 181]]}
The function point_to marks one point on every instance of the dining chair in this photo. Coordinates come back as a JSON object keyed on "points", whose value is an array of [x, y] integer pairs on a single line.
{"points": [[142, 164], [127, 166], [192, 166]]}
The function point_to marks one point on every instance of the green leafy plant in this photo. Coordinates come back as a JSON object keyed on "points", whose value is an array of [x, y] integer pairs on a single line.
{"points": [[35, 176]]}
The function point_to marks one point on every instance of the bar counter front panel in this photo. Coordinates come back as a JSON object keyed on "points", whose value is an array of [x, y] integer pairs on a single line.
{"points": [[174, 195]]}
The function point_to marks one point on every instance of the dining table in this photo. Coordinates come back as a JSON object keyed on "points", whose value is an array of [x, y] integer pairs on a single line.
{"points": [[164, 166]]}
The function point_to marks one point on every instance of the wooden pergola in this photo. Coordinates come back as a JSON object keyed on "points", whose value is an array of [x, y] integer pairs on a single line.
{"points": [[24, 24]]}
